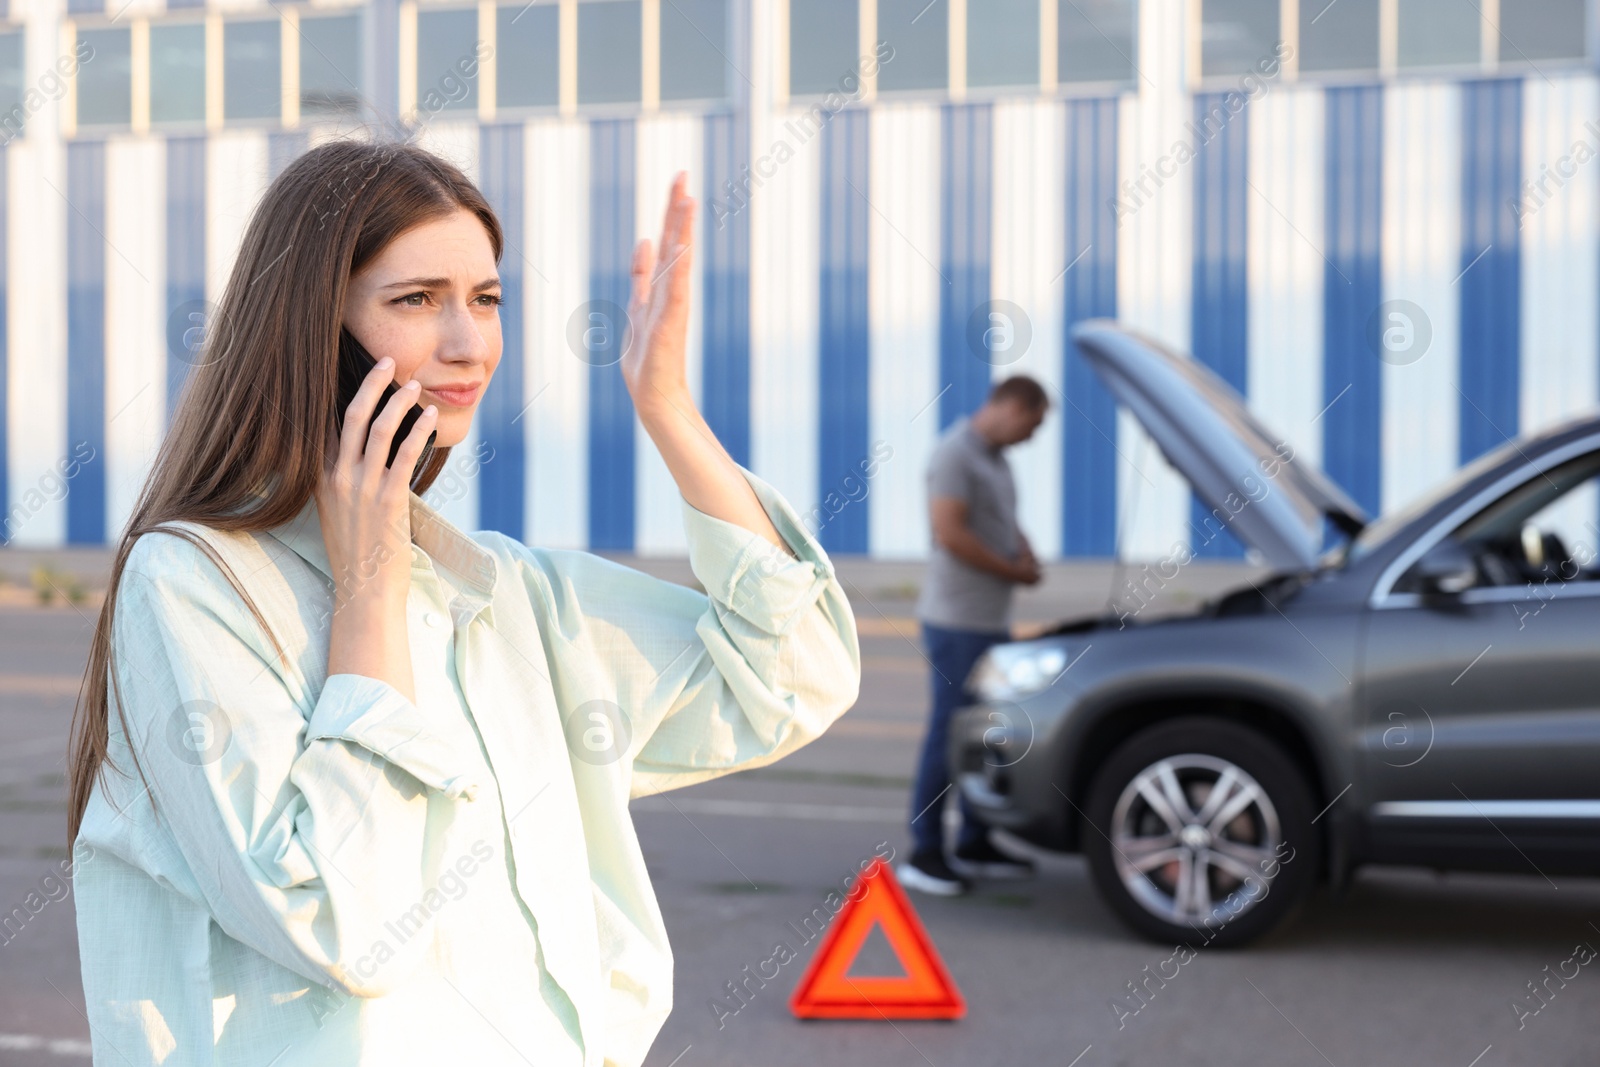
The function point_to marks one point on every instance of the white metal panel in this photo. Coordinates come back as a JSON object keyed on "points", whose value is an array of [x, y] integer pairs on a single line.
{"points": [[1028, 234], [903, 288], [322, 130], [1421, 249], [665, 144], [785, 265], [556, 278], [456, 490], [136, 356], [1284, 266], [1560, 255], [1154, 269], [457, 140], [36, 319], [236, 176], [36, 400]]}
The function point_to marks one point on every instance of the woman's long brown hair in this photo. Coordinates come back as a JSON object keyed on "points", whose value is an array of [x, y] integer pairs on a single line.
{"points": [[258, 409]]}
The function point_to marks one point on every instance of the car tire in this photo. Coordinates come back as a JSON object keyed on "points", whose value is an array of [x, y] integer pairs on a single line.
{"points": [[1144, 850]]}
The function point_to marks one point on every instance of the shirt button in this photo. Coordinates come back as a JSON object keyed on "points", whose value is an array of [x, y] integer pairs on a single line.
{"points": [[434, 619]]}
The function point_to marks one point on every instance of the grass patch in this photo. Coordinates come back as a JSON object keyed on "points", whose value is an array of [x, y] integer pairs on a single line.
{"points": [[48, 583]]}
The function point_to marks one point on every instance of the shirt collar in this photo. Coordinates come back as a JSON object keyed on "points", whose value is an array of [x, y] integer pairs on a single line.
{"points": [[444, 543]]}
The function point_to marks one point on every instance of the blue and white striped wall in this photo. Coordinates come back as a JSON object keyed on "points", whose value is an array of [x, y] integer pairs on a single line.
{"points": [[830, 329]]}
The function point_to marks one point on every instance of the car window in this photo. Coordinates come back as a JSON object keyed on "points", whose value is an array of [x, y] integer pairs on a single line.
{"points": [[1386, 525], [1545, 530]]}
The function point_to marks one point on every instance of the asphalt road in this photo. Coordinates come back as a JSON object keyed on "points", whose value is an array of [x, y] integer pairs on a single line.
{"points": [[1407, 968]]}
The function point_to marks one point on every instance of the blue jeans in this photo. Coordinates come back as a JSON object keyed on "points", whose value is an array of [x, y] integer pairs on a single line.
{"points": [[952, 654]]}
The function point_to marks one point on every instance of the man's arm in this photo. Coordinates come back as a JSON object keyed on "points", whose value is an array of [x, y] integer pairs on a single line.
{"points": [[950, 529]]}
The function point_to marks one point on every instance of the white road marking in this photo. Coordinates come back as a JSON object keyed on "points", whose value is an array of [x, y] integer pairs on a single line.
{"points": [[762, 809], [60, 1046]]}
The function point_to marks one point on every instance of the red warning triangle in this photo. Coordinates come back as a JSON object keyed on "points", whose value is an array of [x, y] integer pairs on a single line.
{"points": [[925, 991]]}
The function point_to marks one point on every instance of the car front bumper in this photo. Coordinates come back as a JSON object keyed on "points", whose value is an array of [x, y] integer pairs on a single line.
{"points": [[1000, 762]]}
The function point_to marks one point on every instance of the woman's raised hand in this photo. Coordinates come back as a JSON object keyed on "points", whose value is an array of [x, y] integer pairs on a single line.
{"points": [[654, 366]]}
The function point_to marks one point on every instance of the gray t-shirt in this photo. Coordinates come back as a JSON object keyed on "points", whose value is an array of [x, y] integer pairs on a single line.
{"points": [[957, 595]]}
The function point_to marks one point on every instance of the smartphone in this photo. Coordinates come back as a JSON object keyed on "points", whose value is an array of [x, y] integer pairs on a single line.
{"points": [[355, 363]]}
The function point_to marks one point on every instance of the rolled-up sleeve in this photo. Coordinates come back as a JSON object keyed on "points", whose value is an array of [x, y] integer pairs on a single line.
{"points": [[756, 666], [303, 826]]}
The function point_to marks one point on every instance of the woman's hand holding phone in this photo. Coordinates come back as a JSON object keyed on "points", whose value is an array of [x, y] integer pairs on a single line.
{"points": [[365, 510]]}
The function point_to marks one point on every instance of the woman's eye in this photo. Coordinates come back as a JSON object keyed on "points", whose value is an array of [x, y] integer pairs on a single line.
{"points": [[494, 301]]}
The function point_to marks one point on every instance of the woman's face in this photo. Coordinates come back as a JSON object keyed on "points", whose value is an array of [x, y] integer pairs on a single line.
{"points": [[431, 302]]}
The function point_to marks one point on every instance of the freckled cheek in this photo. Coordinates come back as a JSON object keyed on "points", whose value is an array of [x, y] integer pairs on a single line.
{"points": [[393, 337], [404, 369]]}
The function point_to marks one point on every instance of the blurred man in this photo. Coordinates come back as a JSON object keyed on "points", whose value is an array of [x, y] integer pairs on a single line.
{"points": [[979, 554]]}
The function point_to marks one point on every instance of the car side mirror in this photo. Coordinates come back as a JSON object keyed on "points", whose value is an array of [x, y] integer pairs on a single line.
{"points": [[1446, 569]]}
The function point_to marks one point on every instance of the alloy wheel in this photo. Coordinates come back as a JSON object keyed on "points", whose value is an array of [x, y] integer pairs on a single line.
{"points": [[1193, 837]]}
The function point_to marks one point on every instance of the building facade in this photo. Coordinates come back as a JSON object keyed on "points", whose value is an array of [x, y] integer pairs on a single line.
{"points": [[1375, 218]]}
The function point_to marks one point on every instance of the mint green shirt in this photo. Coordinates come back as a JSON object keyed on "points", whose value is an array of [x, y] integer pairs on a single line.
{"points": [[335, 875]]}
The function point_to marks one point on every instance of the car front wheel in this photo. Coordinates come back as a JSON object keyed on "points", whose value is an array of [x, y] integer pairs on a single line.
{"points": [[1200, 832]]}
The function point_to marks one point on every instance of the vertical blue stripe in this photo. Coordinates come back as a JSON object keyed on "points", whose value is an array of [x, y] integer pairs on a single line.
{"points": [[1218, 301], [187, 311], [725, 330], [502, 482], [284, 148], [1352, 428], [86, 337], [611, 467], [1089, 290], [843, 353], [381, 83], [965, 252], [1491, 262]]}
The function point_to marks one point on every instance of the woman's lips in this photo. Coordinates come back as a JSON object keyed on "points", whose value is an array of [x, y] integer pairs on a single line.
{"points": [[456, 398]]}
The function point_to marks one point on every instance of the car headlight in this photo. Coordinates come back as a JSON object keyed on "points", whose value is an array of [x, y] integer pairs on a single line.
{"points": [[1010, 671]]}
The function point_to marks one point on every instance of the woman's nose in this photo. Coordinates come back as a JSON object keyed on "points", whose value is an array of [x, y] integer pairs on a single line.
{"points": [[465, 337]]}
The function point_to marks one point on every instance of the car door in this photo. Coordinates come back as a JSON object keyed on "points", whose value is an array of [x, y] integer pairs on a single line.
{"points": [[1481, 744]]}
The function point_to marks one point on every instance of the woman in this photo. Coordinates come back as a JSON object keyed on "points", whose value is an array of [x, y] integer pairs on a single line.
{"points": [[380, 815]]}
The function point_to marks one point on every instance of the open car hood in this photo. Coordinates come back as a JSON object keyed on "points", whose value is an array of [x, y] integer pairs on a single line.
{"points": [[1274, 504]]}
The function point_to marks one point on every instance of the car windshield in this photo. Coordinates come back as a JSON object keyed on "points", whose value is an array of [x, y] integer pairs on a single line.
{"points": [[1383, 527]]}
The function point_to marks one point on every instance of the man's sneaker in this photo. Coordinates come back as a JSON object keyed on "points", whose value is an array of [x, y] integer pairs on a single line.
{"points": [[983, 860], [927, 872]]}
